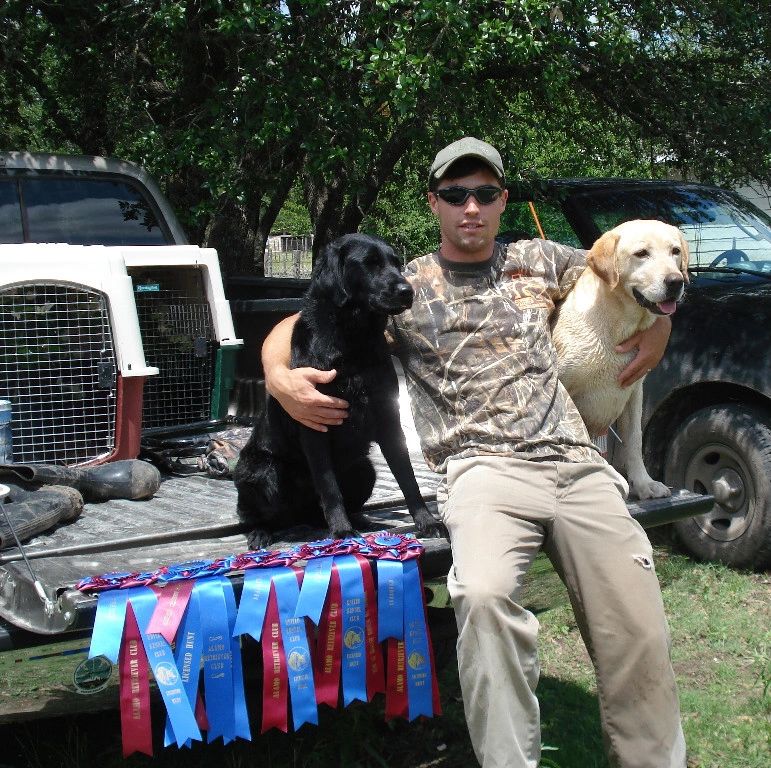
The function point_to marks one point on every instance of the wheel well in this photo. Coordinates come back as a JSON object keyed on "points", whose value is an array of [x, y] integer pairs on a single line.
{"points": [[665, 420]]}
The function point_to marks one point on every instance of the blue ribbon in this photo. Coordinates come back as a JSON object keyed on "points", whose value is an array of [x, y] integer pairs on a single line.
{"points": [[254, 602], [188, 658], [217, 659], [390, 600], [313, 593], [354, 663], [298, 657], [108, 624], [419, 680], [241, 715], [165, 671]]}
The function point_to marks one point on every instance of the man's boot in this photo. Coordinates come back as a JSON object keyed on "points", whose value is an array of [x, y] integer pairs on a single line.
{"points": [[127, 479], [32, 512]]}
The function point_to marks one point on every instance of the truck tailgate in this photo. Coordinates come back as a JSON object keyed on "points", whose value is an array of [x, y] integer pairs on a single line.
{"points": [[190, 518]]}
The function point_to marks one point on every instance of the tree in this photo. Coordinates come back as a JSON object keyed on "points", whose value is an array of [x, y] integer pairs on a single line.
{"points": [[233, 104]]}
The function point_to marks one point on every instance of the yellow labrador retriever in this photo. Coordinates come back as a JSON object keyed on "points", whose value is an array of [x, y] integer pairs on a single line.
{"points": [[634, 273]]}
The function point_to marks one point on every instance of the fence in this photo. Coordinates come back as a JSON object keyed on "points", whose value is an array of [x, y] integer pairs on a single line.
{"points": [[288, 256]]}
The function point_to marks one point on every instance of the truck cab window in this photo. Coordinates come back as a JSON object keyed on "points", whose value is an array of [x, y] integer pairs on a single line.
{"points": [[89, 211]]}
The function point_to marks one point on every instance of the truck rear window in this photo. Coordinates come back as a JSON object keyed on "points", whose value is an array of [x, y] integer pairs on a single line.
{"points": [[88, 212], [11, 230]]}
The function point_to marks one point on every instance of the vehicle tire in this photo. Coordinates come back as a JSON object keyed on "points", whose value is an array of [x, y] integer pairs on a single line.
{"points": [[725, 450]]}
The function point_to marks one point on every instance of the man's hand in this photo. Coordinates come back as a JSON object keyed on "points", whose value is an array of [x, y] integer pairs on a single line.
{"points": [[651, 345], [295, 389]]}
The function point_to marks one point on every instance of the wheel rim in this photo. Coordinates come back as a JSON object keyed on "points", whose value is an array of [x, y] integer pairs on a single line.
{"points": [[718, 469]]}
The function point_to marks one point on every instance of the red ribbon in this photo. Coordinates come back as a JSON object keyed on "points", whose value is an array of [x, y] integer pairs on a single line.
{"points": [[170, 608], [396, 687], [275, 680], [135, 722], [329, 646], [375, 671]]}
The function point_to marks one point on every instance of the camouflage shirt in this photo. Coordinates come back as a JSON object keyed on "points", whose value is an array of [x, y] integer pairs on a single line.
{"points": [[479, 360]]}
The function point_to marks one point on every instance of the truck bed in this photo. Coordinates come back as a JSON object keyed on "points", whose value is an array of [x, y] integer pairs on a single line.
{"points": [[191, 517]]}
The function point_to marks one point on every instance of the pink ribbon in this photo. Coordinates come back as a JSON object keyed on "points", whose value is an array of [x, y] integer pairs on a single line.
{"points": [[329, 646], [170, 608], [136, 725], [275, 680], [375, 671]]}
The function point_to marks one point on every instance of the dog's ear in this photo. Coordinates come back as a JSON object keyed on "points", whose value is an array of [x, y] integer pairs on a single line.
{"points": [[601, 259], [329, 273], [685, 255]]}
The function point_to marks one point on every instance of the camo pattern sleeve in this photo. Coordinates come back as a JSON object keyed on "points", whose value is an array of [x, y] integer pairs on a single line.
{"points": [[480, 364]]}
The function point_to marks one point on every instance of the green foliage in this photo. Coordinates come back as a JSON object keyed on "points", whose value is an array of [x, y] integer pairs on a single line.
{"points": [[293, 218], [234, 104], [402, 216]]}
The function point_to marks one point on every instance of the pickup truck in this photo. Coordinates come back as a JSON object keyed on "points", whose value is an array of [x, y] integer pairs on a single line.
{"points": [[707, 405], [101, 207]]}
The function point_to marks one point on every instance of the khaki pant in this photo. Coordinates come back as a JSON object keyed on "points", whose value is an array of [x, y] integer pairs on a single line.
{"points": [[500, 512]]}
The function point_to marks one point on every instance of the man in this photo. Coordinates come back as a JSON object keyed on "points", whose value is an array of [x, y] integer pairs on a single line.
{"points": [[521, 475]]}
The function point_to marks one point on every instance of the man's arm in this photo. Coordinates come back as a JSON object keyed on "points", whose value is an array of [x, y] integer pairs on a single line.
{"points": [[651, 345], [295, 388]]}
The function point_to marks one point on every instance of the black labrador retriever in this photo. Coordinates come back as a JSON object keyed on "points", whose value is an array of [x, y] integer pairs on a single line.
{"points": [[289, 475]]}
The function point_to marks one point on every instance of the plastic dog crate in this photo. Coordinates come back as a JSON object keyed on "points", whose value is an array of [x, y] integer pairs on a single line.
{"points": [[71, 357], [187, 333]]}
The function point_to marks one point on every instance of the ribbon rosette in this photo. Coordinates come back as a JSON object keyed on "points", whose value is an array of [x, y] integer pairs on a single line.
{"points": [[323, 629]]}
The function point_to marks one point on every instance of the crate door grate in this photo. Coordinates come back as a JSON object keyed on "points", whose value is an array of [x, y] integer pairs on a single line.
{"points": [[57, 367], [177, 330]]}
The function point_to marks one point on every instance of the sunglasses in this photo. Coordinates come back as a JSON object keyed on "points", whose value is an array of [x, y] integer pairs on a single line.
{"points": [[484, 195]]}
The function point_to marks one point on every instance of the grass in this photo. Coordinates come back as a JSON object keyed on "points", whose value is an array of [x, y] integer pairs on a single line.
{"points": [[721, 633]]}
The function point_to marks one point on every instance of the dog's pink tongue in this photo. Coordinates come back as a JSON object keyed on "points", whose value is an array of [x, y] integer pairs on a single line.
{"points": [[668, 307]]}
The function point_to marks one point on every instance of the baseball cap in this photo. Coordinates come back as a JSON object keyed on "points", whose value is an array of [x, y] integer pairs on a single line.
{"points": [[468, 146]]}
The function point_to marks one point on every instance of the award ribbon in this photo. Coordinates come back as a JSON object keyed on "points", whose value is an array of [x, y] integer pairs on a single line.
{"points": [[354, 656], [274, 674], [390, 599], [108, 625], [172, 601], [419, 674], [135, 722], [187, 656], [165, 671], [314, 588], [329, 645], [240, 712], [254, 602], [375, 672], [298, 657], [396, 689], [194, 604], [217, 659]]}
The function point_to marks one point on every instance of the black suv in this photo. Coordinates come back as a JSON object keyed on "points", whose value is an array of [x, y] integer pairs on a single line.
{"points": [[707, 412]]}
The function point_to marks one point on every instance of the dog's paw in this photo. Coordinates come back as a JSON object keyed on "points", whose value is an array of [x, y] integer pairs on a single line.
{"points": [[432, 530], [649, 489], [258, 539], [427, 526], [343, 533]]}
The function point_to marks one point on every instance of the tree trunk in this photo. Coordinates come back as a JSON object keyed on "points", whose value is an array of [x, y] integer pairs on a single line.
{"points": [[333, 212]]}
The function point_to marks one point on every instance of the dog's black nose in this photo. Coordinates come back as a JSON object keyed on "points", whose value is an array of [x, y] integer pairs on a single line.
{"points": [[673, 285], [404, 292]]}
